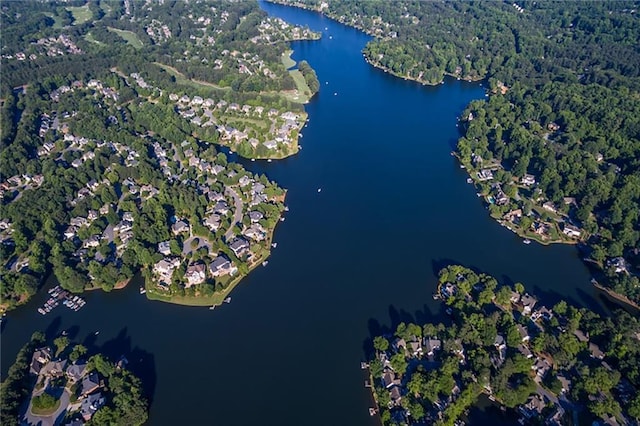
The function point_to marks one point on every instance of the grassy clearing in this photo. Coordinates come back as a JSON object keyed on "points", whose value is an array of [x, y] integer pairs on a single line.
{"points": [[303, 93], [80, 14], [238, 122], [286, 59], [90, 39], [181, 79], [128, 36], [57, 24]]}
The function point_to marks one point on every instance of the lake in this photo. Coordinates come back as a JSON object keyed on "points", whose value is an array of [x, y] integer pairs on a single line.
{"points": [[351, 260]]}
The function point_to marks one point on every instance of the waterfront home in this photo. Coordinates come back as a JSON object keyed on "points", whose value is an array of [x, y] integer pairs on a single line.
{"points": [[239, 246], [255, 216], [528, 302], [485, 174], [195, 274], [431, 346], [542, 312], [39, 359], [270, 144], [164, 269], [571, 231], [255, 232], [244, 181], [581, 335], [398, 344], [76, 371], [415, 348], [533, 408], [619, 264], [448, 290], [164, 248], [395, 395], [90, 405], [54, 368], [221, 266], [513, 215], [89, 384]]}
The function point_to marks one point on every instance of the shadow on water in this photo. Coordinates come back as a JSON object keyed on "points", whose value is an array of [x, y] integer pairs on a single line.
{"points": [[375, 328], [140, 362]]}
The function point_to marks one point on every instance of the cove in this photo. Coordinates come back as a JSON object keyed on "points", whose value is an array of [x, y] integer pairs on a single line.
{"points": [[352, 259]]}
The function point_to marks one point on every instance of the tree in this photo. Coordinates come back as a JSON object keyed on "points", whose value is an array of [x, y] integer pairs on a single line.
{"points": [[61, 344], [44, 402], [77, 352], [519, 288], [380, 344]]}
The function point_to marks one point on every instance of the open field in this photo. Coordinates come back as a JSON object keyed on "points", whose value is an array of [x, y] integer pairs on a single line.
{"points": [[80, 14], [128, 36]]}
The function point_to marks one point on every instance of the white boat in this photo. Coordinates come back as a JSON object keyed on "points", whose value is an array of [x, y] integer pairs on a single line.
{"points": [[265, 263], [253, 159], [274, 245], [143, 290], [96, 333], [335, 93], [319, 189], [269, 160], [212, 307], [526, 241], [227, 300]]}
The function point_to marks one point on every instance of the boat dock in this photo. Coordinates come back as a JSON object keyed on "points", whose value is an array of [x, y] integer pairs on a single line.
{"points": [[59, 295]]}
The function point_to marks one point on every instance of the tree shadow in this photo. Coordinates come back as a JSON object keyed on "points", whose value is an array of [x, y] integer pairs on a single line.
{"points": [[375, 328]]}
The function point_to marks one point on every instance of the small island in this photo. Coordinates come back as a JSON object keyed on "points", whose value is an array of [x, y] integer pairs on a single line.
{"points": [[545, 365], [63, 384]]}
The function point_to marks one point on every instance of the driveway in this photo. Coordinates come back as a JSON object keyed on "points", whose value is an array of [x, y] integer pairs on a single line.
{"points": [[51, 420], [237, 211]]}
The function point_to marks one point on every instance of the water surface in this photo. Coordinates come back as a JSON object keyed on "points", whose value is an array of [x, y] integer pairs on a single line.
{"points": [[352, 259]]}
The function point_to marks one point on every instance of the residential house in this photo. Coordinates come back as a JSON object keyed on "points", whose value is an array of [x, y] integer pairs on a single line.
{"points": [[533, 408], [180, 227], [220, 266], [89, 384], [549, 206], [90, 405], [541, 367], [542, 312], [528, 302], [255, 232], [54, 368], [619, 264], [76, 371], [212, 222], [239, 246], [571, 231], [39, 359], [485, 174], [415, 348], [164, 248], [431, 346], [524, 350], [528, 180], [255, 216], [195, 274], [595, 350], [524, 333], [271, 144]]}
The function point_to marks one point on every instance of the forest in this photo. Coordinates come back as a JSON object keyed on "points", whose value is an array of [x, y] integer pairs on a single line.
{"points": [[492, 344], [563, 104]]}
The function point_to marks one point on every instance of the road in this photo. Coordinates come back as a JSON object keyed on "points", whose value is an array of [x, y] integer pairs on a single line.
{"points": [[237, 211]]}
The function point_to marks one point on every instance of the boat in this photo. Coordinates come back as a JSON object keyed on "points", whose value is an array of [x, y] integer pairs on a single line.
{"points": [[212, 307], [469, 180], [274, 245], [319, 189], [265, 263], [526, 241], [227, 300], [42, 311], [282, 219], [96, 333], [335, 93], [143, 290], [253, 159], [286, 208], [269, 160], [230, 152], [372, 411]]}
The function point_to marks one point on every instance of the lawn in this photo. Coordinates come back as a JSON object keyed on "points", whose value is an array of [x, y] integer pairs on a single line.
{"points": [[89, 38], [303, 92], [56, 20], [128, 36], [181, 79], [286, 59], [80, 14]]}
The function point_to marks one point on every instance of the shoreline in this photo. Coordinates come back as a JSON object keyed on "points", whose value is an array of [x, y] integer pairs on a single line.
{"points": [[217, 298], [616, 297]]}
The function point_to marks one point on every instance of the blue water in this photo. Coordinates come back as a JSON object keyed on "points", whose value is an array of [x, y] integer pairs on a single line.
{"points": [[351, 260]]}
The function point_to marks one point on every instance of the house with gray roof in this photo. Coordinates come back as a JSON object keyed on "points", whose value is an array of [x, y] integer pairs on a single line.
{"points": [[239, 246], [90, 405], [76, 371], [90, 383], [220, 266], [39, 359]]}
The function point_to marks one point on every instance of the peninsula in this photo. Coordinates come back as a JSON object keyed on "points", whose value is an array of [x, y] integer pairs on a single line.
{"points": [[546, 364], [63, 384], [113, 170]]}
